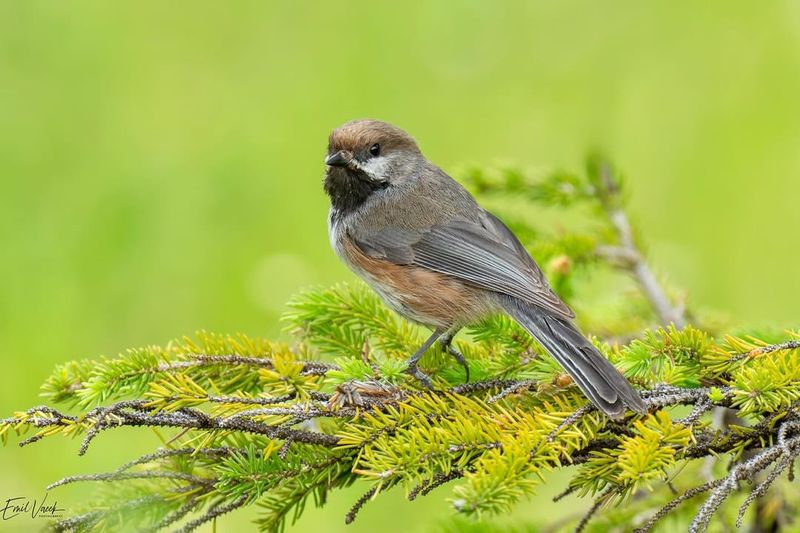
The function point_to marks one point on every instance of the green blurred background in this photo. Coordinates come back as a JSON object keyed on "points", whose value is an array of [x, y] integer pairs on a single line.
{"points": [[161, 163]]}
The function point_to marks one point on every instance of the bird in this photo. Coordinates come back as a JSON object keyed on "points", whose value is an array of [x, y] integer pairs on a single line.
{"points": [[422, 242]]}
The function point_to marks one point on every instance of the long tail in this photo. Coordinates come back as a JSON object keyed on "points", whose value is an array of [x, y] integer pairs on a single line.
{"points": [[602, 383]]}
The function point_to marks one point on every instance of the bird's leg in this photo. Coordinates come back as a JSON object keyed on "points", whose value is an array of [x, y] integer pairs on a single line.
{"points": [[414, 359], [446, 343]]}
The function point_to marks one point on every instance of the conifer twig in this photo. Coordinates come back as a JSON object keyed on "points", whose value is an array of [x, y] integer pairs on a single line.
{"points": [[599, 501], [664, 511], [213, 513], [769, 348], [633, 259]]}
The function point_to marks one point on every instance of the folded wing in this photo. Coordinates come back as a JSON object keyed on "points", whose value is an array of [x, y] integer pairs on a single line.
{"points": [[485, 255]]}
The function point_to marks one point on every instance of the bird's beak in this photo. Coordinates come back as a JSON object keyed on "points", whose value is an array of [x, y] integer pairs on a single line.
{"points": [[338, 159]]}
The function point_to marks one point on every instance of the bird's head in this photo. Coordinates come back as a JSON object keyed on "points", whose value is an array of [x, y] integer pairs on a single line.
{"points": [[365, 156]]}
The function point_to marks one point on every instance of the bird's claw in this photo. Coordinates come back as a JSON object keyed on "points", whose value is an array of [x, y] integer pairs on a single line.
{"points": [[421, 376], [460, 358]]}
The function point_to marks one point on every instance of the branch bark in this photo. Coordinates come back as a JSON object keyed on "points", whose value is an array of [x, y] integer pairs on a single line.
{"points": [[629, 254]]}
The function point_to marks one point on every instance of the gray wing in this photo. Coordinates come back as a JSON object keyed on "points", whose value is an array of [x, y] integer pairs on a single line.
{"points": [[486, 255]]}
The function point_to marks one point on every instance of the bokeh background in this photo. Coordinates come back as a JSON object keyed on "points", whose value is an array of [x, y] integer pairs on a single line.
{"points": [[161, 165]]}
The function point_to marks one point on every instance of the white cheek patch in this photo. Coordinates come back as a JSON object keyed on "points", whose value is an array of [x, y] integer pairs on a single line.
{"points": [[377, 168]]}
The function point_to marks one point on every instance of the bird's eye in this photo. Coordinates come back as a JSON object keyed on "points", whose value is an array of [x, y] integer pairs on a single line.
{"points": [[375, 149]]}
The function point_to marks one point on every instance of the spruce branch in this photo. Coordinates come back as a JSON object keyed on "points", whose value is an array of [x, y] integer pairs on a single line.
{"points": [[497, 435], [252, 421]]}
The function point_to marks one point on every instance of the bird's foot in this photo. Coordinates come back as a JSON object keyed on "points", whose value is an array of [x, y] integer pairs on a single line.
{"points": [[460, 358], [446, 343], [421, 376]]}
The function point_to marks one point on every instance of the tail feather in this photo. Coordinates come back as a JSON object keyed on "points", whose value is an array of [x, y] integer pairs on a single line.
{"points": [[602, 383]]}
